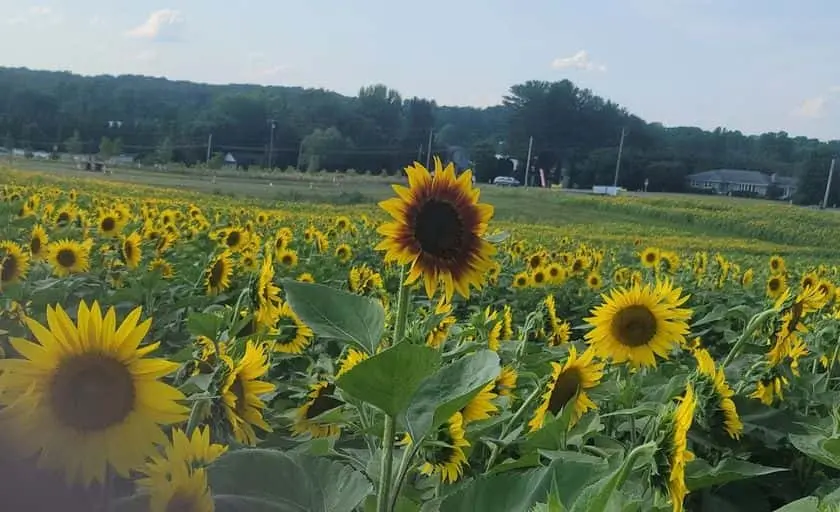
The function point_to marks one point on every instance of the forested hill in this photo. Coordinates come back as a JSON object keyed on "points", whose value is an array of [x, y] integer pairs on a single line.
{"points": [[573, 129]]}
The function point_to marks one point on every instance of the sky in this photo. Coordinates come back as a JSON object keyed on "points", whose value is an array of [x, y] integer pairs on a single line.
{"points": [[749, 65]]}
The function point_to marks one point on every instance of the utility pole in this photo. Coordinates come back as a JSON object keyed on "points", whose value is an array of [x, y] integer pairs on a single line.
{"points": [[618, 160], [209, 146], [528, 160], [419, 152], [271, 144], [828, 184], [429, 150]]}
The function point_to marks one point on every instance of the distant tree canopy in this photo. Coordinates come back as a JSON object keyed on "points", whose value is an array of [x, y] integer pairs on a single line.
{"points": [[575, 132]]}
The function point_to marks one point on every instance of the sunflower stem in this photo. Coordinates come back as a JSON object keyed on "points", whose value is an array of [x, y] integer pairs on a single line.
{"points": [[383, 501], [408, 455], [752, 326], [494, 450], [196, 415]]}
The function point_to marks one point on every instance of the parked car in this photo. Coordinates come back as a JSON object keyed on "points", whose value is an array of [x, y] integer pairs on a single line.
{"points": [[506, 181]]}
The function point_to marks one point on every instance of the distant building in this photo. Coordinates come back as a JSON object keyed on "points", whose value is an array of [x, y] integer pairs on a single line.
{"points": [[229, 162], [727, 181]]}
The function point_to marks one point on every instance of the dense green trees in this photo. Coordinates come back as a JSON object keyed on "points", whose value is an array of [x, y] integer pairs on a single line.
{"points": [[575, 132]]}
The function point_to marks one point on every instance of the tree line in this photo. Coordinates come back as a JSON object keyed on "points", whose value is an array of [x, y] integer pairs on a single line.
{"points": [[575, 133]]}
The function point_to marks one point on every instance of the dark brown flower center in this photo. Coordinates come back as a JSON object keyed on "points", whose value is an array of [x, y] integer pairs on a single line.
{"points": [[233, 238], [108, 224], [66, 258], [439, 229], [35, 245], [181, 502], [63, 218], [9, 268], [323, 402], [91, 392], [128, 250], [650, 257], [634, 326], [216, 273], [539, 277], [774, 284], [564, 390]]}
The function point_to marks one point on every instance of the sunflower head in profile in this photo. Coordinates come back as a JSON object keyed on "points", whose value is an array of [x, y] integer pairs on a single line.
{"points": [[776, 286], [567, 387], [320, 399], [163, 267], [85, 396], [673, 454], [130, 250], [292, 336], [438, 228], [636, 324], [344, 253], [241, 393], [38, 241], [505, 383], [712, 390], [481, 407], [218, 273], [747, 278], [14, 263], [68, 257], [446, 456]]}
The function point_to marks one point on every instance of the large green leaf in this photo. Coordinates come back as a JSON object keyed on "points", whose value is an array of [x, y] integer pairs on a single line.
{"points": [[204, 324], [448, 390], [699, 474], [390, 378], [806, 504], [825, 450], [521, 490], [332, 313], [269, 480], [596, 497]]}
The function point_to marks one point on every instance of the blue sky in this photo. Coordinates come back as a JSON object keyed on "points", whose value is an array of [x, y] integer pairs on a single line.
{"points": [[743, 64]]}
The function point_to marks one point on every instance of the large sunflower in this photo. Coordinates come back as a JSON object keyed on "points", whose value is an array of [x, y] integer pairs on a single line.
{"points": [[14, 263], [218, 274], [636, 324], [241, 393], [68, 257], [130, 250], [568, 385], [446, 457], [438, 227], [84, 396]]}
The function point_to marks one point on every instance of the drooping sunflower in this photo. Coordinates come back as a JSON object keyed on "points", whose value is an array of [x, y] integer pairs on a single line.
{"points": [[567, 386], [438, 228], [195, 451], [267, 294], [481, 407], [721, 410], [241, 393], [674, 452], [292, 335], [636, 324], [344, 253], [440, 332], [769, 388], [130, 250], [446, 457], [320, 399], [162, 266], [186, 490], [218, 274], [85, 397], [747, 278], [68, 257], [14, 263], [38, 241]]}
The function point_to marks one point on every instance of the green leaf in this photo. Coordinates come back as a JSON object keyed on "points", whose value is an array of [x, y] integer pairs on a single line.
{"points": [[269, 480], [448, 390], [717, 313], [806, 504], [515, 490], [596, 497], [390, 378], [204, 324], [699, 474], [825, 450], [332, 313]]}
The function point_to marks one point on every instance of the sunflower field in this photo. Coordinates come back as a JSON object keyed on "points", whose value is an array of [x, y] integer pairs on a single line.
{"points": [[171, 351]]}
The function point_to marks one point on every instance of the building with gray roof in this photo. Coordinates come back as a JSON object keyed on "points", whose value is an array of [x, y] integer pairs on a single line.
{"points": [[728, 181]]}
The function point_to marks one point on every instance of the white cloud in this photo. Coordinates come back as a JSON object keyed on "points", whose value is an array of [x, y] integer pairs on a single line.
{"points": [[162, 25], [36, 15], [811, 108], [580, 60]]}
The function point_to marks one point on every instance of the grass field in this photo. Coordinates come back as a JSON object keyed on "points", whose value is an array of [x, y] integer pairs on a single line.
{"points": [[168, 342]]}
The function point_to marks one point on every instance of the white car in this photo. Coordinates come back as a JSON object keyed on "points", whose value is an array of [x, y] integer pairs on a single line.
{"points": [[506, 181]]}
